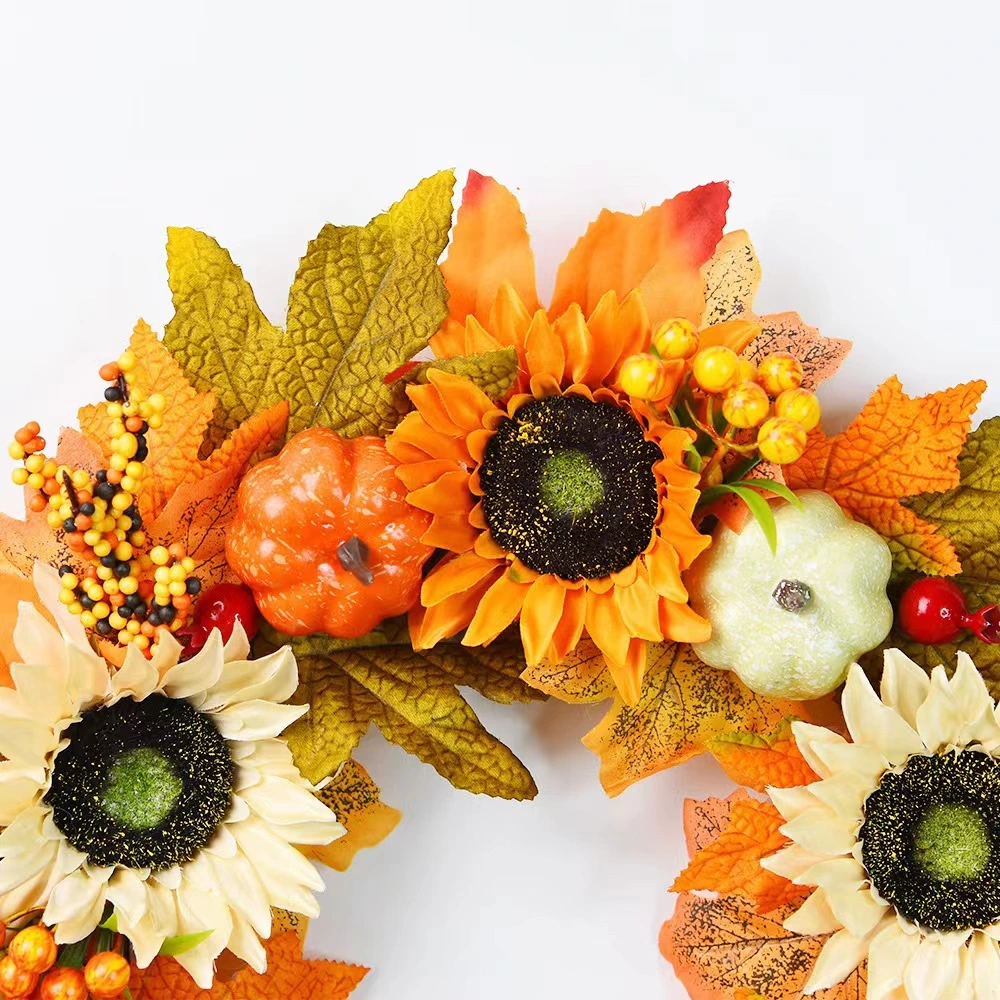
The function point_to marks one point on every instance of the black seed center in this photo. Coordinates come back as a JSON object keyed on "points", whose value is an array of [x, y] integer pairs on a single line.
{"points": [[569, 487], [930, 840], [142, 784]]}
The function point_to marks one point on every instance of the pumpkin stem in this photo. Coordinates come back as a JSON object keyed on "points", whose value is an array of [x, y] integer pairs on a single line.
{"points": [[353, 556], [792, 595]]}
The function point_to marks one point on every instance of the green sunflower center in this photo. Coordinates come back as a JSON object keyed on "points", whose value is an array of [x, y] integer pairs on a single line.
{"points": [[929, 840], [568, 487], [142, 789], [141, 784], [570, 483]]}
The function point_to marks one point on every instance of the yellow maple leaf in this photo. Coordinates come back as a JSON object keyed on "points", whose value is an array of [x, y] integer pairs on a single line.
{"points": [[897, 447], [288, 975], [176, 449], [355, 801], [682, 705], [760, 761]]}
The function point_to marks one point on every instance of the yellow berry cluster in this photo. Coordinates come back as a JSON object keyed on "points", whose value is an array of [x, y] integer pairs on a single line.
{"points": [[768, 396], [123, 592]]}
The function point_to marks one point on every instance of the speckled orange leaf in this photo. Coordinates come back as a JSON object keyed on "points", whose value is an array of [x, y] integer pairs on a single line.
{"points": [[897, 447], [288, 975], [705, 819], [730, 864], [355, 801], [730, 277], [745, 994], [820, 356], [720, 946], [489, 245], [682, 705], [660, 252], [24, 542], [582, 678], [758, 761]]}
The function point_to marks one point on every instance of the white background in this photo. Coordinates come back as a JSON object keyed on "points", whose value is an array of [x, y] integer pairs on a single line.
{"points": [[860, 140]]}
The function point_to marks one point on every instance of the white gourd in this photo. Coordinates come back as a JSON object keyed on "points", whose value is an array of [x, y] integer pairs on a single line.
{"points": [[791, 623]]}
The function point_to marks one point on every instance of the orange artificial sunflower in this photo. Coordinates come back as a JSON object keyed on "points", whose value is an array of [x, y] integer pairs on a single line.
{"points": [[490, 269], [568, 509]]}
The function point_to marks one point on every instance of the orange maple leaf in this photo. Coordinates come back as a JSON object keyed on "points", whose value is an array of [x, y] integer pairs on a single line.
{"points": [[759, 761], [730, 865], [660, 252], [355, 801], [897, 447], [177, 448], [288, 975]]}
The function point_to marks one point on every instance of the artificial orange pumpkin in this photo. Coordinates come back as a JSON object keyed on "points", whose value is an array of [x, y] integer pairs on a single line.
{"points": [[324, 537]]}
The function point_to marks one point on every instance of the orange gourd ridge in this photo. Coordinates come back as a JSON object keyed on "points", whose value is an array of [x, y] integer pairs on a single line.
{"points": [[325, 539]]}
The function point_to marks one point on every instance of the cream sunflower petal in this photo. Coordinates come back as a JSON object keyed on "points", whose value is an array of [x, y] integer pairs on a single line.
{"points": [[245, 944], [20, 786], [75, 907], [202, 911], [933, 971], [238, 881], [792, 802], [136, 677], [974, 704], [871, 722], [190, 679], [888, 954], [810, 739], [983, 955], [288, 878], [87, 681], [856, 908], [281, 802], [167, 653], [35, 639], [257, 720], [44, 688], [845, 793], [128, 894], [23, 866], [905, 685], [271, 678], [791, 862], [840, 956], [169, 878], [938, 720], [813, 917], [834, 874], [47, 585], [26, 740], [237, 646], [25, 832], [864, 761], [821, 831]]}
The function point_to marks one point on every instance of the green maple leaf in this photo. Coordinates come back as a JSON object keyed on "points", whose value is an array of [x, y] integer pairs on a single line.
{"points": [[969, 516], [364, 301], [413, 699]]}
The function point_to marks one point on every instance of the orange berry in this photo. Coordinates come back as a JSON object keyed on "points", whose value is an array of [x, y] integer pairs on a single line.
{"points": [[133, 425], [746, 372], [781, 440], [15, 982], [109, 372], [677, 338], [800, 405], [746, 405], [778, 372], [51, 488], [23, 436], [84, 523], [106, 975], [182, 603], [37, 503], [643, 376], [115, 476], [64, 984], [715, 368], [177, 551], [34, 949]]}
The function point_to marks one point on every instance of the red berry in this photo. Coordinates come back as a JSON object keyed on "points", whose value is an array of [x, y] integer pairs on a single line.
{"points": [[933, 611], [219, 607]]}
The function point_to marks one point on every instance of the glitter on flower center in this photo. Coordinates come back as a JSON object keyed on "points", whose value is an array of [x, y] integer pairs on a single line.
{"points": [[142, 789], [568, 487]]}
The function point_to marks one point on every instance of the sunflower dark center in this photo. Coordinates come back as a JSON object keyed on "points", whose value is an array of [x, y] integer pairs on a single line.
{"points": [[569, 487], [931, 840], [142, 784]]}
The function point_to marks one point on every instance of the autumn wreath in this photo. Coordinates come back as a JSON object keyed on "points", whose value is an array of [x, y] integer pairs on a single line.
{"points": [[262, 541]]}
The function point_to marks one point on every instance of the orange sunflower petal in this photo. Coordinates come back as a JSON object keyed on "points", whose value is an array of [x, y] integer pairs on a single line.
{"points": [[680, 624], [487, 547], [544, 351], [416, 475], [464, 401], [663, 567], [453, 576], [571, 328], [447, 495], [452, 532], [660, 252], [606, 628], [540, 615], [498, 608], [638, 605], [676, 528], [405, 444], [628, 675], [430, 405], [489, 245], [569, 628], [734, 333], [429, 626]]}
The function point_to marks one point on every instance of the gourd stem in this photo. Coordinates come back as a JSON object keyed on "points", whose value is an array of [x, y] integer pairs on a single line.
{"points": [[353, 556]]}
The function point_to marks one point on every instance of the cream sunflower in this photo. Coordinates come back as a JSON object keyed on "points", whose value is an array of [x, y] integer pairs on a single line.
{"points": [[901, 836], [160, 789]]}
